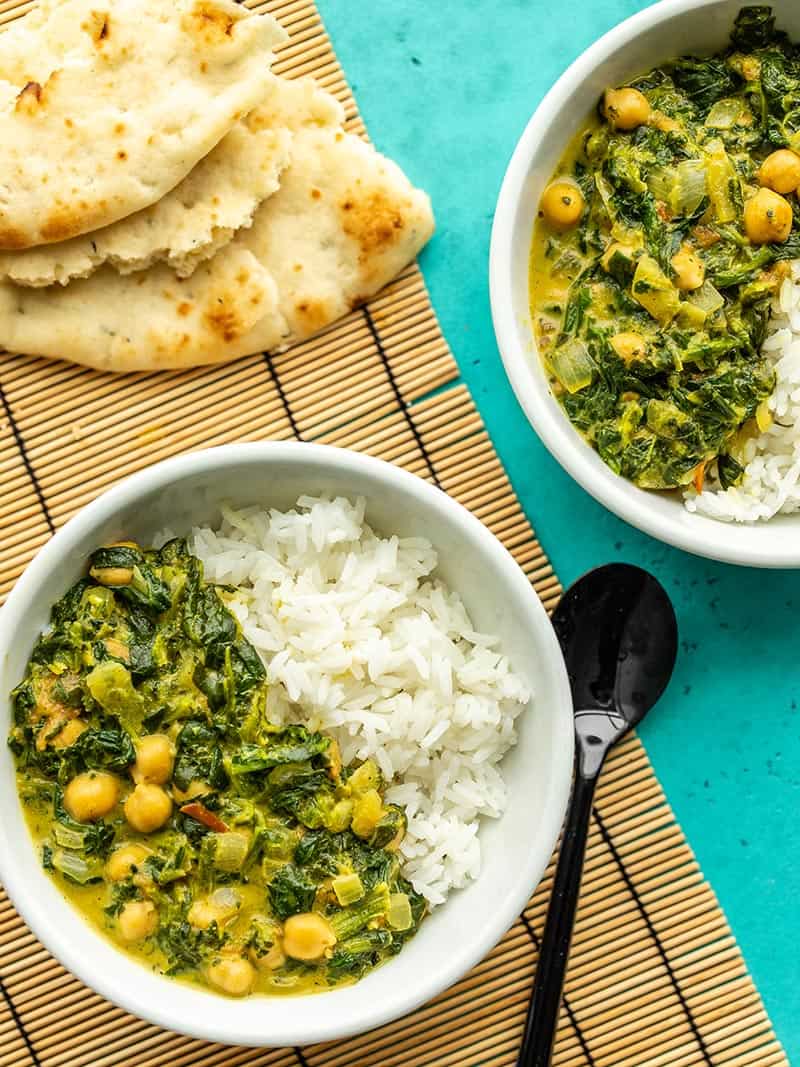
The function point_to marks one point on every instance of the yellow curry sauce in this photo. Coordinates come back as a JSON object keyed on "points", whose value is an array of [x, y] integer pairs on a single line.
{"points": [[198, 836], [661, 240]]}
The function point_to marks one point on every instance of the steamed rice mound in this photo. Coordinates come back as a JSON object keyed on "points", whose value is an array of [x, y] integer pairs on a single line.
{"points": [[362, 641], [771, 459]]}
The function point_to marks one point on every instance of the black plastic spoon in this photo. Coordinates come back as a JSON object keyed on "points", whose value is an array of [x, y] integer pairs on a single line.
{"points": [[619, 637]]}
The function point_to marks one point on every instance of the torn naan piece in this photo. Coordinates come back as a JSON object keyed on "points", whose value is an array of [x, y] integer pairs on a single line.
{"points": [[106, 105], [344, 222], [189, 225], [201, 214]]}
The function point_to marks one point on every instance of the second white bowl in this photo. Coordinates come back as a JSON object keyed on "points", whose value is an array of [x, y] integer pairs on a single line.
{"points": [[661, 32]]}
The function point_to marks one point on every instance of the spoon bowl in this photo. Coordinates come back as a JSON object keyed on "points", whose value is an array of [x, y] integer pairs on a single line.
{"points": [[617, 631]]}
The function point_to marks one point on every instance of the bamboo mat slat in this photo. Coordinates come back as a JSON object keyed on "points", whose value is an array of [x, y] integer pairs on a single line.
{"points": [[655, 979]]}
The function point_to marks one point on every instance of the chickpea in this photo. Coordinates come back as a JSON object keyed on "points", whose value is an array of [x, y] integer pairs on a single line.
{"points": [[780, 171], [203, 913], [69, 734], [690, 271], [629, 347], [625, 109], [137, 920], [155, 756], [148, 807], [112, 575], [561, 205], [767, 218], [91, 795], [233, 975], [307, 936], [124, 861]]}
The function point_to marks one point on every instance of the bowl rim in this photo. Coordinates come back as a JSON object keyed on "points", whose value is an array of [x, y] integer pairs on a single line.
{"points": [[75, 955], [748, 544]]}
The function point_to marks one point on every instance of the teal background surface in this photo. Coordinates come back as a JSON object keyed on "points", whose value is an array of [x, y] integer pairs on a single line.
{"points": [[446, 88]]}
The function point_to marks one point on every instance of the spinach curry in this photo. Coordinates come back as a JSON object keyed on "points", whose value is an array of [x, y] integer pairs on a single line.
{"points": [[659, 244], [196, 834]]}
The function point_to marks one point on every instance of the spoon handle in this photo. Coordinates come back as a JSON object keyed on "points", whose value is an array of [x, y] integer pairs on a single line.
{"points": [[540, 1028]]}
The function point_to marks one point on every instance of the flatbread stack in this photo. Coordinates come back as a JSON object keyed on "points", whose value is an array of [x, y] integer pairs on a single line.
{"points": [[166, 201]]}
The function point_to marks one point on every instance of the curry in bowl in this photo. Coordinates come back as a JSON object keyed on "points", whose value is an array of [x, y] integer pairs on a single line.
{"points": [[661, 244], [256, 758], [194, 833]]}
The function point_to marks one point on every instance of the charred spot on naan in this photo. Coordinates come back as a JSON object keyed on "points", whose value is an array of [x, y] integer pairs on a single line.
{"points": [[12, 239], [223, 318], [374, 221], [98, 26], [33, 97], [66, 220], [29, 99], [224, 313], [209, 24], [313, 314]]}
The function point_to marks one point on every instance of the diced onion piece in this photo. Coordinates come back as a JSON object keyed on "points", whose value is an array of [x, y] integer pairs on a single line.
{"points": [[348, 888], [74, 867], [707, 298], [691, 317], [689, 188], [399, 916], [661, 182], [67, 837], [721, 176], [654, 291], [229, 850], [572, 365], [723, 114]]}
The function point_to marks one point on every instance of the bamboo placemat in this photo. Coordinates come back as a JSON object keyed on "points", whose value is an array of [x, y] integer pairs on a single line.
{"points": [[656, 978]]}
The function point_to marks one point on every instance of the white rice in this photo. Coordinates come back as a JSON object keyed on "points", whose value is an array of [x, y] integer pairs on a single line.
{"points": [[362, 642], [771, 480]]}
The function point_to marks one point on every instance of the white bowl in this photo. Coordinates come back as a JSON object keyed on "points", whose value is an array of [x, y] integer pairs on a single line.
{"points": [[517, 847], [658, 33]]}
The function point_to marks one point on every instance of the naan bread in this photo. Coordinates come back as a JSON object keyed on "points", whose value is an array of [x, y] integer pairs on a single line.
{"points": [[105, 105], [343, 223], [192, 222], [201, 214]]}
